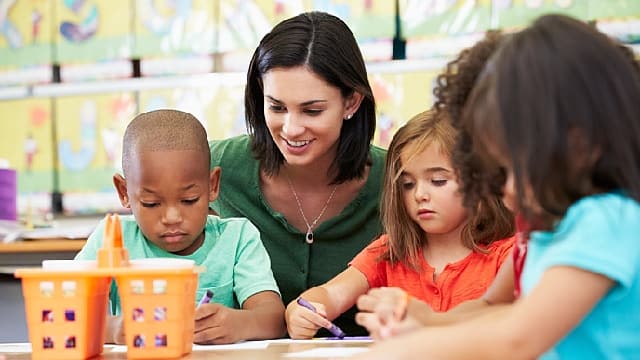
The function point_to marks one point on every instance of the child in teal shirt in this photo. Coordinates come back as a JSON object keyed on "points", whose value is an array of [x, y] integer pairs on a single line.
{"points": [[167, 185]]}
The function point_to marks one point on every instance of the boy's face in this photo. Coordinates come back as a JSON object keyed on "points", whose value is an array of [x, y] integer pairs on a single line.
{"points": [[169, 193]]}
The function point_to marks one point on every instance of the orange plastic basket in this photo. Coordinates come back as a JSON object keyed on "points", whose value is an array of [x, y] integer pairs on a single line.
{"points": [[158, 309], [66, 303], [65, 312]]}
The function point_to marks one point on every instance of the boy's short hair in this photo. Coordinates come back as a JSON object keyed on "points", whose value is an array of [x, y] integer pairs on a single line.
{"points": [[163, 130]]}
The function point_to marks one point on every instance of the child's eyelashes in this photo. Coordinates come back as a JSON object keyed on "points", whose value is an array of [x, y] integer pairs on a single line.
{"points": [[439, 182], [191, 201], [149, 204], [407, 185], [152, 204]]}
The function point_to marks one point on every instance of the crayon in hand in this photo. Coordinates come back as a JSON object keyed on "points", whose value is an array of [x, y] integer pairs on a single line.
{"points": [[335, 330], [206, 298]]}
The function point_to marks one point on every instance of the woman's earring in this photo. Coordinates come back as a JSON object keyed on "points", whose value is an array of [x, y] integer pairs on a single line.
{"points": [[349, 116]]}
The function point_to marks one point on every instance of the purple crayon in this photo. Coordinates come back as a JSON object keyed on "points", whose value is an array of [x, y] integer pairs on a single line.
{"points": [[206, 298], [336, 331]]}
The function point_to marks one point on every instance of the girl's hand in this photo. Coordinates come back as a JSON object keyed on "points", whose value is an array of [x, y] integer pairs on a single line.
{"points": [[217, 324], [379, 331], [390, 304], [303, 323]]}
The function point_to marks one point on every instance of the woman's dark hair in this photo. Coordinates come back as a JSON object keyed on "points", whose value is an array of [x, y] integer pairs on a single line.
{"points": [[561, 102], [324, 44]]}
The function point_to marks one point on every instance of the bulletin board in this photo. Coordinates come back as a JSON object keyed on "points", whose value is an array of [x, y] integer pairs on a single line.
{"points": [[92, 30], [29, 127], [421, 18], [368, 19], [618, 9], [173, 28], [89, 146], [25, 34], [399, 96], [242, 23], [29, 152], [219, 107], [516, 14]]}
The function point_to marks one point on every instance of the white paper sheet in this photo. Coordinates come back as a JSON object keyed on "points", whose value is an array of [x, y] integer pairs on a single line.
{"points": [[324, 352], [15, 348], [247, 345]]}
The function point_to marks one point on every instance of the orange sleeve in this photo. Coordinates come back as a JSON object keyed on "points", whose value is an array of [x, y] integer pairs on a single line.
{"points": [[503, 249], [368, 264]]}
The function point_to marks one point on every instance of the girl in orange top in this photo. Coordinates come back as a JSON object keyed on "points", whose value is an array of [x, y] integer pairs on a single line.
{"points": [[434, 248]]}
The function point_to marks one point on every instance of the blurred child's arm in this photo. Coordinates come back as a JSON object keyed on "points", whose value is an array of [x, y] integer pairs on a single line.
{"points": [[115, 330], [384, 310], [261, 317], [330, 300], [525, 329]]}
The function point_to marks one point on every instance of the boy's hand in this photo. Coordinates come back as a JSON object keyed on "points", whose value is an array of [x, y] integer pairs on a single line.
{"points": [[303, 323], [115, 330], [217, 324]]}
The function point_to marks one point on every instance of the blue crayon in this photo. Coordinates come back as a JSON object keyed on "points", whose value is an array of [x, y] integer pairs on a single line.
{"points": [[206, 298], [335, 330]]}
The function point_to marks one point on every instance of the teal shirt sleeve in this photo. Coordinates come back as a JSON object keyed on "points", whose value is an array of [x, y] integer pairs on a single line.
{"points": [[252, 266], [599, 234]]}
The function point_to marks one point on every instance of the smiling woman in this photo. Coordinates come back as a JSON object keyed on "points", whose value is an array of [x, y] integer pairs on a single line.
{"points": [[306, 175]]}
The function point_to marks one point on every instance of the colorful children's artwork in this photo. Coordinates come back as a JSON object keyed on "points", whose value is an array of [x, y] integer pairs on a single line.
{"points": [[25, 33], [368, 19], [92, 31], [29, 152], [242, 23], [421, 18], [90, 130], [219, 106], [174, 28], [620, 9], [399, 96], [515, 14]]}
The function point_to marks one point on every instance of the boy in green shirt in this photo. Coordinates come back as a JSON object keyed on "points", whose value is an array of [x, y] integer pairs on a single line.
{"points": [[167, 185]]}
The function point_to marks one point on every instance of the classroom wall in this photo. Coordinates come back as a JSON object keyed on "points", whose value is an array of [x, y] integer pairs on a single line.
{"points": [[66, 69]]}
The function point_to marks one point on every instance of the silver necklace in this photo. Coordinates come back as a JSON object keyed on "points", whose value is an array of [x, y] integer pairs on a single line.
{"points": [[309, 235]]}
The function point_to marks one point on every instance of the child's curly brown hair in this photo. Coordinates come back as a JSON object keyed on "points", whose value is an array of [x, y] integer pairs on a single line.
{"points": [[479, 181], [454, 85]]}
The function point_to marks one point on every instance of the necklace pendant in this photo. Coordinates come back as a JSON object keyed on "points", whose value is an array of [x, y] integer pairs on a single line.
{"points": [[309, 237]]}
